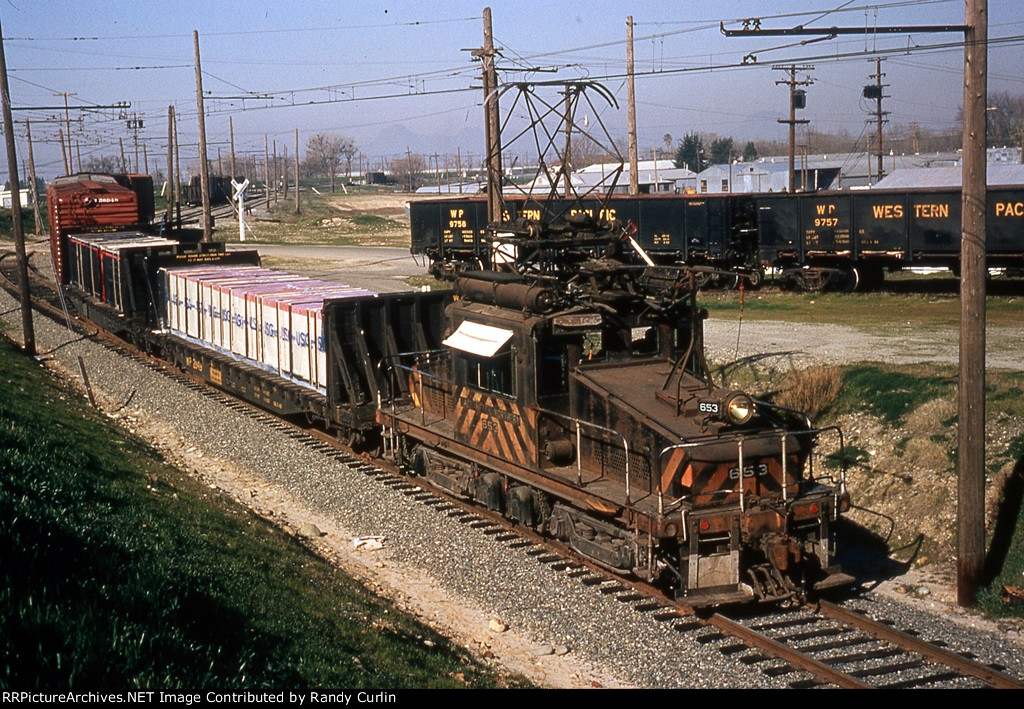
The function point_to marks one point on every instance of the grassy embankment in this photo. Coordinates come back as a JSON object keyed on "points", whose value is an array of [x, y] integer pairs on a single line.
{"points": [[118, 570], [900, 423]]}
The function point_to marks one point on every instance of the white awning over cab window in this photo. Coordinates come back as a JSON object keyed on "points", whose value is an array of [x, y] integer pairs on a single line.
{"points": [[477, 339]]}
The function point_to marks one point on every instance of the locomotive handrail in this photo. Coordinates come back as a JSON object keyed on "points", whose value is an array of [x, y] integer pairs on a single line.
{"points": [[579, 464], [780, 407], [739, 438], [842, 456], [393, 365]]}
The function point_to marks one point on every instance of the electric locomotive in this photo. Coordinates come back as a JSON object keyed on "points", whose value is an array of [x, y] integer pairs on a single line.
{"points": [[578, 401]]}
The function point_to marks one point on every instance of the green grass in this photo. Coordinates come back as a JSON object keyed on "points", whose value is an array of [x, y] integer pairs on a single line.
{"points": [[372, 221], [858, 309], [889, 393], [119, 570], [1008, 549], [434, 283], [850, 455]]}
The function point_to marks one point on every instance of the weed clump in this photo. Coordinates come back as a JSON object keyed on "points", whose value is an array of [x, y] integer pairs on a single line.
{"points": [[813, 390]]}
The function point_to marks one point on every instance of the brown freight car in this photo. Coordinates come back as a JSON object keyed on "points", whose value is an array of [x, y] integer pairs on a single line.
{"points": [[86, 203]]}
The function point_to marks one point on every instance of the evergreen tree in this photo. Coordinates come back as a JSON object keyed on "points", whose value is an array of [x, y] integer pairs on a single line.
{"points": [[721, 151], [690, 153]]}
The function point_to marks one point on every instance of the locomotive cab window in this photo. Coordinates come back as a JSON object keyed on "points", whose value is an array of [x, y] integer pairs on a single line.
{"points": [[487, 355], [491, 374]]}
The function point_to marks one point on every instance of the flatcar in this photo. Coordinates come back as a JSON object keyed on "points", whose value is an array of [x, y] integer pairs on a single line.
{"points": [[840, 240], [575, 402]]}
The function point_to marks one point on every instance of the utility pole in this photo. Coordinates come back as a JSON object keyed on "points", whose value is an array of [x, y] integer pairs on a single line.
{"points": [[67, 131], [492, 121], [204, 168], [408, 161], [133, 124], [437, 173], [298, 210], [275, 171], [875, 91], [971, 377], [266, 169], [634, 163], [145, 159], [124, 165], [64, 152], [32, 176], [231, 132], [567, 155], [797, 99], [177, 175], [169, 214], [458, 163], [284, 172], [19, 236]]}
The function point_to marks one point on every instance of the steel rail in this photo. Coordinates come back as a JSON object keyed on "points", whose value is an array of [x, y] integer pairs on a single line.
{"points": [[790, 655], [963, 665]]}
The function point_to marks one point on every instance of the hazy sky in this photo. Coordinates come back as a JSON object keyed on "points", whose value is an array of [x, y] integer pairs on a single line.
{"points": [[107, 51]]}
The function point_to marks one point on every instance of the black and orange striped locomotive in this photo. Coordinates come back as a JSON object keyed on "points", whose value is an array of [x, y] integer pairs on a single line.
{"points": [[589, 413]]}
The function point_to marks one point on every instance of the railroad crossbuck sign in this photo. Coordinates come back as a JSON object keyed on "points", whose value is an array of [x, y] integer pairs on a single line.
{"points": [[239, 196]]}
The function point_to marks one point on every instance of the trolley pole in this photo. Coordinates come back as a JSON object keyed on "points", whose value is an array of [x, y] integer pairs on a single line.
{"points": [[19, 235], [177, 175], [266, 170], [204, 168], [971, 378]]}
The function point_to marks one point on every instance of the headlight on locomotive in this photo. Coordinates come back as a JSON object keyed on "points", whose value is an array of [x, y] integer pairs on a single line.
{"points": [[733, 407], [739, 408]]}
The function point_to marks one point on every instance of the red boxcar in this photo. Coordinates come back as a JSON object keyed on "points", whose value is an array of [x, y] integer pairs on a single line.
{"points": [[86, 203]]}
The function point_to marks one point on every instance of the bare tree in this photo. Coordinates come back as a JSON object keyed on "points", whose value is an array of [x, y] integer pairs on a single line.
{"points": [[323, 155], [409, 170], [103, 163], [349, 150], [1005, 119]]}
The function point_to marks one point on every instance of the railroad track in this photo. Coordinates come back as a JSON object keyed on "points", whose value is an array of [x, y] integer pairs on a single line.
{"points": [[815, 645], [193, 215], [838, 646]]}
